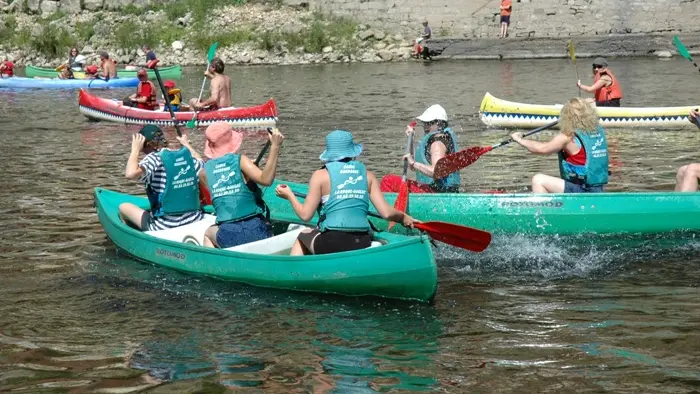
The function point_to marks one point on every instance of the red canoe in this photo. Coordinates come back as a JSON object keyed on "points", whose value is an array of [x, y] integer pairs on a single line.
{"points": [[98, 108]]}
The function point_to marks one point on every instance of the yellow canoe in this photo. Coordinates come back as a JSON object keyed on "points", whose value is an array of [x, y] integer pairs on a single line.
{"points": [[495, 112]]}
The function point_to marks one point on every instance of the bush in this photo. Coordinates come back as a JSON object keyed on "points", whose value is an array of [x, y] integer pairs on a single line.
{"points": [[127, 35], [84, 31], [52, 41], [7, 31], [225, 38]]}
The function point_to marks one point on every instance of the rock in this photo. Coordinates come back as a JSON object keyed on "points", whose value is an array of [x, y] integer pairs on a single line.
{"points": [[242, 59], [140, 3], [364, 35], [386, 55], [117, 4], [379, 45], [664, 54], [328, 49], [140, 53], [177, 45], [361, 27], [379, 35], [185, 20], [33, 5], [397, 37], [37, 30], [87, 50], [291, 28], [92, 5], [70, 6], [125, 59]]}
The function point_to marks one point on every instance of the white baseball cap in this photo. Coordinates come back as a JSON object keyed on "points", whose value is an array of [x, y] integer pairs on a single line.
{"points": [[434, 112]]}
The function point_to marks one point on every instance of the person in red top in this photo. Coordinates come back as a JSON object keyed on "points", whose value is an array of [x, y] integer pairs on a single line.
{"points": [[145, 96], [91, 71], [605, 86], [506, 8], [7, 69]]}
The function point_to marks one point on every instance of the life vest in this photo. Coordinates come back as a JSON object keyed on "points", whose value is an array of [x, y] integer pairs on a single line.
{"points": [[232, 198], [76, 63], [151, 101], [447, 184], [91, 69], [9, 68], [175, 96], [348, 202], [595, 171], [607, 93], [181, 194]]}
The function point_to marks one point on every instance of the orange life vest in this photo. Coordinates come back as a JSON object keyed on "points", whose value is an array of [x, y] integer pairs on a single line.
{"points": [[151, 102], [607, 93]]}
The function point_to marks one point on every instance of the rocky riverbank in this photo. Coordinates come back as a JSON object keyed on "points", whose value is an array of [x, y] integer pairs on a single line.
{"points": [[247, 34]]}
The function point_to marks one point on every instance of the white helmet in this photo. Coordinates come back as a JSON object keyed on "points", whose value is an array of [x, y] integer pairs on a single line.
{"points": [[434, 112]]}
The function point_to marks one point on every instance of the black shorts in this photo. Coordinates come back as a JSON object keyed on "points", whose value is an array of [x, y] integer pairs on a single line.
{"points": [[609, 103], [505, 19], [333, 241]]}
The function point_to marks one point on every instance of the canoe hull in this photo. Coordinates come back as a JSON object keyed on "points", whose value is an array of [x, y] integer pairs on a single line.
{"points": [[495, 112], [98, 108], [562, 214], [404, 268], [170, 72], [30, 83]]}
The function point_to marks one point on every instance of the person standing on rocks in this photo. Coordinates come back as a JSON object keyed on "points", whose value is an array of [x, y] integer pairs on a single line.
{"points": [[605, 86], [109, 67], [427, 32], [220, 89], [506, 8]]}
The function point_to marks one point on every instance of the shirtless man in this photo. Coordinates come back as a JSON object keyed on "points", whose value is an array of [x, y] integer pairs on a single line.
{"points": [[220, 88], [109, 67]]}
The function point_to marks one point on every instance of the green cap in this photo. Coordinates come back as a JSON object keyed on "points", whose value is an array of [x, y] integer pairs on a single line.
{"points": [[152, 133]]}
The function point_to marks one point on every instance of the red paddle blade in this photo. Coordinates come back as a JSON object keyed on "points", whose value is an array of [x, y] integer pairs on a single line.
{"points": [[204, 195], [458, 160], [463, 237], [401, 202]]}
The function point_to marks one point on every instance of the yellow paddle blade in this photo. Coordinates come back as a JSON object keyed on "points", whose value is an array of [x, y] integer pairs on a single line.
{"points": [[61, 67], [572, 52]]}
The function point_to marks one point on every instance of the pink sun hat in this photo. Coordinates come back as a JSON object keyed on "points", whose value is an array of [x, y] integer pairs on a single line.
{"points": [[221, 139]]}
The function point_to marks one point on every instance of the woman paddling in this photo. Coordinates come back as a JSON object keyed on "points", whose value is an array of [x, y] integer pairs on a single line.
{"points": [[342, 188], [239, 207], [582, 149], [438, 141]]}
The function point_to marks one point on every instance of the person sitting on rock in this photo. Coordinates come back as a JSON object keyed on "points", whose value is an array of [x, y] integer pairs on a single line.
{"points": [[145, 96], [220, 87]]}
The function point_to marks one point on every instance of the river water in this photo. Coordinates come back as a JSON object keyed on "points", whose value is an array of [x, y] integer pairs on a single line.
{"points": [[528, 315]]}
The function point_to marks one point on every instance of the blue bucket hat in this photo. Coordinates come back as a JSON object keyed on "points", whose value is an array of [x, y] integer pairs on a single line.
{"points": [[339, 145]]}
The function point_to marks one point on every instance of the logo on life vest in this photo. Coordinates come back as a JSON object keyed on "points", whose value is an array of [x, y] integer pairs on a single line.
{"points": [[598, 143], [350, 181], [224, 178], [182, 172]]}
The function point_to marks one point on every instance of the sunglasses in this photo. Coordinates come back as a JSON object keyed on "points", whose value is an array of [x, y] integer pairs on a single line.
{"points": [[597, 66]]}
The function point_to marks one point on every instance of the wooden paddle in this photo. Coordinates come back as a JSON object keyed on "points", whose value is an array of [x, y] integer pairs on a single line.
{"points": [[572, 55], [210, 56], [464, 237], [401, 202], [464, 158]]}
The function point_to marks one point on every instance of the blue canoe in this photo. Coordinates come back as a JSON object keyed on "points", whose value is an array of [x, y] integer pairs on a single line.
{"points": [[32, 83]]}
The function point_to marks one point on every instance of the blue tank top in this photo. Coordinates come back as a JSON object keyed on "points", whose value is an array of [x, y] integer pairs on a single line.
{"points": [[181, 193], [231, 197], [348, 201], [595, 171], [449, 183]]}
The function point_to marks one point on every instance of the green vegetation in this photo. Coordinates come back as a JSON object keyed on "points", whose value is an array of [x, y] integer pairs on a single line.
{"points": [[85, 31], [7, 30], [225, 38], [445, 32], [52, 41]]}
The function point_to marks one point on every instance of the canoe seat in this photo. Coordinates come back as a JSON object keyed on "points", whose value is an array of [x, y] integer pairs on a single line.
{"points": [[375, 244]]}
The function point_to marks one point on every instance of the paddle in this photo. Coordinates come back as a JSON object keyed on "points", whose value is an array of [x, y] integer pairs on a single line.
{"points": [[572, 55], [684, 52], [153, 64], [464, 237], [458, 160], [401, 202], [205, 196], [210, 56]]}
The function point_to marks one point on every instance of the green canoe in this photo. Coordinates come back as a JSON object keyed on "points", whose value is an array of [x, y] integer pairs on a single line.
{"points": [[396, 266], [170, 72], [563, 214]]}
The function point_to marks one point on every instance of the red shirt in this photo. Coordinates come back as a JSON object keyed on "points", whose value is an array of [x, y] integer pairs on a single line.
{"points": [[9, 68], [145, 92], [579, 159]]}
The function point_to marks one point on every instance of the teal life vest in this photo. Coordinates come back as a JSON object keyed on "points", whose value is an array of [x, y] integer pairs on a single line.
{"points": [[181, 194], [348, 202], [595, 171], [232, 198], [447, 184]]}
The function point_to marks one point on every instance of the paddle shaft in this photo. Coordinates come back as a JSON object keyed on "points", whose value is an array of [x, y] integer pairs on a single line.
{"points": [[529, 133], [409, 149], [167, 102], [264, 149], [201, 91]]}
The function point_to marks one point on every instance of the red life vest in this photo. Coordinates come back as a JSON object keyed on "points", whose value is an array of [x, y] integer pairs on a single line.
{"points": [[150, 103], [9, 68], [607, 93]]}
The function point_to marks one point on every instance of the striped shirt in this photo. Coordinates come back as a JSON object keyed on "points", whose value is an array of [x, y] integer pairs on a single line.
{"points": [[155, 177]]}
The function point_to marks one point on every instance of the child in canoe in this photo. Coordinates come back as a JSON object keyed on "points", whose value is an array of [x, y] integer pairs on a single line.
{"points": [[343, 188]]}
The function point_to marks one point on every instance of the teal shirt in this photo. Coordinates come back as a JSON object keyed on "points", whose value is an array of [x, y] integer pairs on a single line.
{"points": [[449, 183], [595, 171], [231, 197], [348, 202], [181, 193]]}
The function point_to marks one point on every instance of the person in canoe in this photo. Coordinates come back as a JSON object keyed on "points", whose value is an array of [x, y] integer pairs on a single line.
{"points": [[438, 141], [75, 62], [150, 55], [582, 149], [145, 96], [7, 69], [109, 67], [687, 176], [91, 72], [170, 178], [174, 96], [232, 179], [606, 88], [220, 89], [342, 189]]}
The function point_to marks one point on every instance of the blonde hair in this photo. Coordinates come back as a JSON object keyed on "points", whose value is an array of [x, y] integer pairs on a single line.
{"points": [[579, 115]]}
